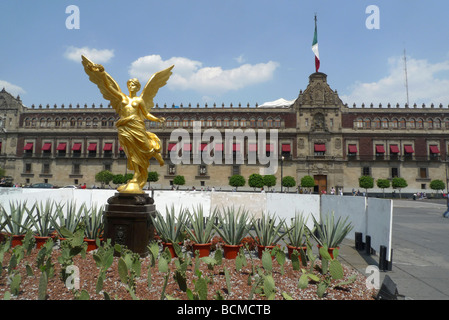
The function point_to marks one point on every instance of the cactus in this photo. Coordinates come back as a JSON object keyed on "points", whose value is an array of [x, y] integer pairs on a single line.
{"points": [[129, 268], [269, 287], [104, 258], [228, 279], [71, 247], [154, 252], [267, 262], [16, 279]]}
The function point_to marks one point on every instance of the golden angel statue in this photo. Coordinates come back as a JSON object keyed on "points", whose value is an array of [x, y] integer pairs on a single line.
{"points": [[139, 145]]}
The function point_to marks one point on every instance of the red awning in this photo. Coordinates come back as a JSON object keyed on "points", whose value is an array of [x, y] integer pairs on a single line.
{"points": [[107, 147], [434, 149], [76, 147], [92, 147], [394, 149], [286, 148], [46, 146], [203, 146], [120, 149], [352, 148], [319, 147], [380, 149], [408, 149], [28, 146], [269, 148], [172, 147], [61, 146], [236, 147]]}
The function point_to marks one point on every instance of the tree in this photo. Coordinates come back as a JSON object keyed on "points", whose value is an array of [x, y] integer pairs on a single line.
{"points": [[118, 179], [383, 184], [399, 183], [179, 181], [104, 177], [307, 182], [437, 185], [288, 182], [153, 176], [236, 181], [269, 180], [366, 182], [255, 181]]}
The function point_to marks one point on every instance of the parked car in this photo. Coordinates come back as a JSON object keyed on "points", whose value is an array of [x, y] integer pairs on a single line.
{"points": [[70, 187], [41, 185]]}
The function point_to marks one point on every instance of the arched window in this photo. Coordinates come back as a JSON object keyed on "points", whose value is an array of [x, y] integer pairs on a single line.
{"points": [[243, 122], [42, 122], [72, 122], [260, 123], [358, 123], [437, 123], [384, 123], [218, 122], [27, 122], [79, 122], [377, 123], [277, 123], [402, 123], [252, 122], [367, 123], [394, 123], [412, 123], [420, 123], [430, 123], [57, 122]]}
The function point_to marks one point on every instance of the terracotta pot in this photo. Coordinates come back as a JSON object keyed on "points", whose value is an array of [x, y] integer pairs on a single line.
{"points": [[91, 244], [291, 248], [231, 251], [17, 240], [330, 250], [170, 248], [261, 249], [40, 241], [203, 248]]}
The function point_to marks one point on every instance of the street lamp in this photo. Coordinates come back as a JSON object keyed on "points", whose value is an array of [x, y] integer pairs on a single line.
{"points": [[282, 170]]}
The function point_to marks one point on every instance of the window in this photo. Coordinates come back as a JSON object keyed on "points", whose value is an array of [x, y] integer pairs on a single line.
{"points": [[45, 168], [394, 172], [376, 123], [202, 170], [366, 171], [176, 122], [367, 123], [72, 122], [412, 123], [252, 122], [243, 123], [358, 123], [269, 123], [235, 123], [437, 124], [394, 123], [235, 170], [423, 173], [319, 149], [420, 123], [27, 168], [402, 123], [104, 122], [430, 123], [76, 168], [352, 150], [384, 123], [260, 123], [218, 122], [277, 122]]}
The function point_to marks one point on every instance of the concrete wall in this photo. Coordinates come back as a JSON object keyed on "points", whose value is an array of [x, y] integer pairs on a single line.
{"points": [[369, 216]]}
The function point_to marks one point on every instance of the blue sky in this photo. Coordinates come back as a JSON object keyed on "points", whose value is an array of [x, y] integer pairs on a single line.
{"points": [[246, 51]]}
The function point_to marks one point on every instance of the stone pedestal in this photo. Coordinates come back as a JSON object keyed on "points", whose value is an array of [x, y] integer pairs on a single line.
{"points": [[128, 222]]}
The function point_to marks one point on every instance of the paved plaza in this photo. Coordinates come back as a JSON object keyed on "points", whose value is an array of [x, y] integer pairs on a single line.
{"points": [[420, 268]]}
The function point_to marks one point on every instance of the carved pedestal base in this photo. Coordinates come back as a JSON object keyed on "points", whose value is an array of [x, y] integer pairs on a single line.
{"points": [[128, 222]]}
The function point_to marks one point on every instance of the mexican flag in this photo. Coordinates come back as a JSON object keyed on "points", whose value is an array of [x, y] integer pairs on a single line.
{"points": [[315, 48]]}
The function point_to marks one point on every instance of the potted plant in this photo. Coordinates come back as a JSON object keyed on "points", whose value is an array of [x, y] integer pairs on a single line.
{"points": [[330, 233], [42, 221], [68, 219], [296, 234], [171, 229], [267, 233], [17, 222], [233, 227], [201, 231], [93, 221]]}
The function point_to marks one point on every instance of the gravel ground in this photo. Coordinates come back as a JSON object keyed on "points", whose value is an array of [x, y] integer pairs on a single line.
{"points": [[286, 281]]}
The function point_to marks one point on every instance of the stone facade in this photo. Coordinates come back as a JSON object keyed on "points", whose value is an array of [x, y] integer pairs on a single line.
{"points": [[318, 135]]}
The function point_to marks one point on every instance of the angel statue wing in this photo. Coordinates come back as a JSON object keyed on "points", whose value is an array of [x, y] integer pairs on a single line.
{"points": [[157, 81], [102, 81]]}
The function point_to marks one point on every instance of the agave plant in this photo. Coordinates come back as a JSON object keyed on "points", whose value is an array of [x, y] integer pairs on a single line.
{"points": [[233, 225], [69, 218], [42, 221], [267, 233], [172, 227], [297, 231], [93, 220], [200, 231], [17, 221], [330, 233]]}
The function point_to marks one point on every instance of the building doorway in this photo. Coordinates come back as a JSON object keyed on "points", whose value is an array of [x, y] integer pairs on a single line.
{"points": [[320, 184]]}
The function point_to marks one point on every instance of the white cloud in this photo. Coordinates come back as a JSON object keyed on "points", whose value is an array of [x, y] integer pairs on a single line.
{"points": [[425, 85], [97, 56], [11, 88], [191, 75]]}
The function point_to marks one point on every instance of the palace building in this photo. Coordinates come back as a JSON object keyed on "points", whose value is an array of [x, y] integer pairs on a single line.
{"points": [[317, 135]]}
